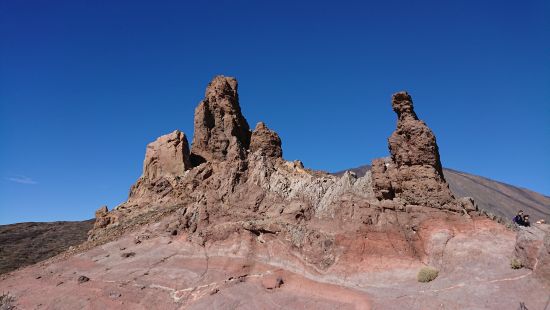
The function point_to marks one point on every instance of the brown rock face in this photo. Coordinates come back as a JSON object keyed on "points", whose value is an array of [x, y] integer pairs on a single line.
{"points": [[533, 249], [221, 131], [166, 159], [102, 217], [168, 156], [266, 141], [412, 143], [413, 174]]}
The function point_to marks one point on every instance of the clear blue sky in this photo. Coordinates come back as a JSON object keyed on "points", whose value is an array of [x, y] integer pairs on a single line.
{"points": [[85, 85]]}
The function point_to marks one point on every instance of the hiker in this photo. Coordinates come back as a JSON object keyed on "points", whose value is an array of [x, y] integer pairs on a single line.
{"points": [[518, 219], [526, 222]]}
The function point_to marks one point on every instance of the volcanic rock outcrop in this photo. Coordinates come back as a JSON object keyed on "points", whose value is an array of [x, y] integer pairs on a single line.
{"points": [[221, 131], [167, 157], [533, 249], [239, 182], [413, 175], [166, 160], [266, 141], [238, 222]]}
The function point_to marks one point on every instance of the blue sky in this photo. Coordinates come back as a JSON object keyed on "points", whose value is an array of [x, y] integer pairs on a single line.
{"points": [[85, 85]]}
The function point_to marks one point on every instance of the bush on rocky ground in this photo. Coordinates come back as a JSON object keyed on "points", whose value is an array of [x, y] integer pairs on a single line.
{"points": [[516, 263], [427, 274]]}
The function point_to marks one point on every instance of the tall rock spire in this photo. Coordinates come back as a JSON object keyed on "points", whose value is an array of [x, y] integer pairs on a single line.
{"points": [[413, 142], [414, 174], [221, 131]]}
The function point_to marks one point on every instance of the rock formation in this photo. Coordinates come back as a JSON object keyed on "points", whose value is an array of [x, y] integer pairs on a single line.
{"points": [[167, 157], [412, 143], [103, 218], [266, 141], [242, 181], [533, 249], [413, 175], [221, 131], [166, 160], [241, 220]]}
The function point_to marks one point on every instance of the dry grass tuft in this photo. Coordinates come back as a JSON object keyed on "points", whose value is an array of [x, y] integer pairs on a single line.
{"points": [[516, 263], [427, 274]]}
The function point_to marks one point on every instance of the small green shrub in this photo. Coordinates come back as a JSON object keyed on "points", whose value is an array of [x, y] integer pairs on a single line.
{"points": [[6, 301], [427, 274], [516, 263]]}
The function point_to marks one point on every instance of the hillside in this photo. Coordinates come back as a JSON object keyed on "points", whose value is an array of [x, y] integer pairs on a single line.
{"points": [[24, 244]]}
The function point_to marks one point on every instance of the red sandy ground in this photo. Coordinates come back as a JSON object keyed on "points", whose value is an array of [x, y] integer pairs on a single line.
{"points": [[168, 272]]}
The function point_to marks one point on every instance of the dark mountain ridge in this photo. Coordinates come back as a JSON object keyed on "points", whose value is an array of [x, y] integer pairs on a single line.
{"points": [[24, 244]]}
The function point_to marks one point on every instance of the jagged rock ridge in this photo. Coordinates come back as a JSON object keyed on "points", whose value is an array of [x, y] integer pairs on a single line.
{"points": [[239, 178]]}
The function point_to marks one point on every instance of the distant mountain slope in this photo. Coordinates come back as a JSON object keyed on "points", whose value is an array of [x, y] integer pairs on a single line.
{"points": [[24, 244], [496, 197]]}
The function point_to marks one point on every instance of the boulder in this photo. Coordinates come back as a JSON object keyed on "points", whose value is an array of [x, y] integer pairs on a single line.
{"points": [[533, 249], [221, 131]]}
